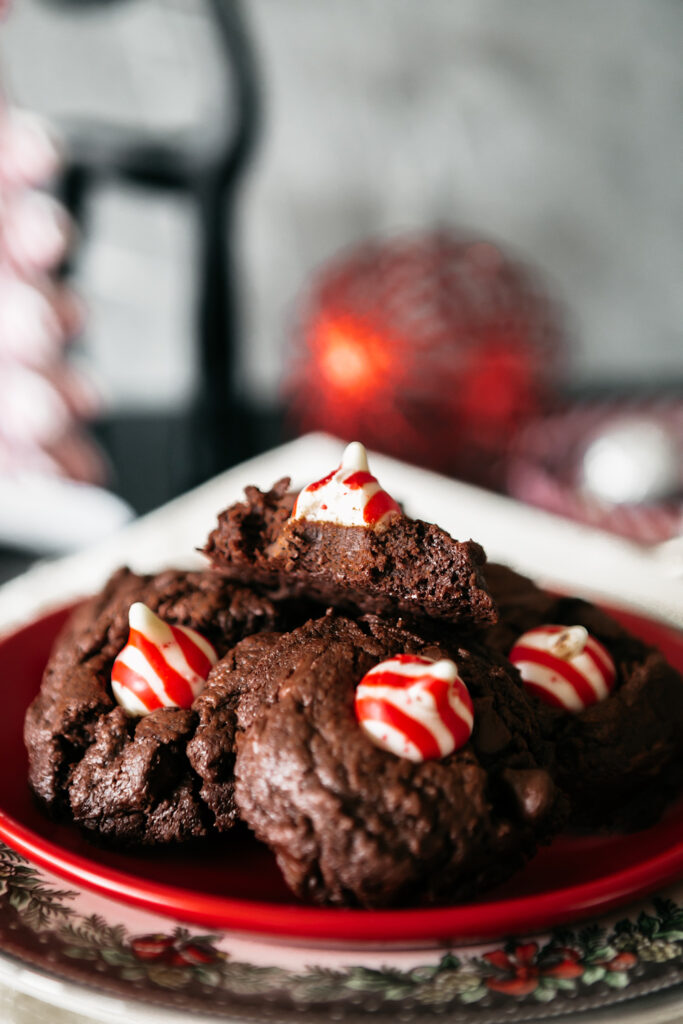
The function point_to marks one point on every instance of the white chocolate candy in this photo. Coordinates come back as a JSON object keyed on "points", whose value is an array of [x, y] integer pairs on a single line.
{"points": [[564, 666], [415, 707], [161, 665], [348, 496]]}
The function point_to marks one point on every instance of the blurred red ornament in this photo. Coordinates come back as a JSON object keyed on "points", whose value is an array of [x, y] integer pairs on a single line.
{"points": [[436, 348]]}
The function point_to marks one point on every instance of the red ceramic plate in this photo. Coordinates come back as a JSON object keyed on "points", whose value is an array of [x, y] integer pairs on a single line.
{"points": [[235, 884]]}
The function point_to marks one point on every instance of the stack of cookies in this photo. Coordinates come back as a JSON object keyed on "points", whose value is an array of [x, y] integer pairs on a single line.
{"points": [[399, 722]]}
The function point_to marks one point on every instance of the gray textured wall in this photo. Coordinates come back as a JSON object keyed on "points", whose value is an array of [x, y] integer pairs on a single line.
{"points": [[554, 127]]}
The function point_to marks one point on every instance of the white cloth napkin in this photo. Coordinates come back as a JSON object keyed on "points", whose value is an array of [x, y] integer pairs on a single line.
{"points": [[552, 550]]}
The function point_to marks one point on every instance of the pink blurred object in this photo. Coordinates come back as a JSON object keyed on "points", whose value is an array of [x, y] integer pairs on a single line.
{"points": [[37, 319], [29, 153], [74, 457], [553, 464], [39, 407], [43, 399], [35, 232]]}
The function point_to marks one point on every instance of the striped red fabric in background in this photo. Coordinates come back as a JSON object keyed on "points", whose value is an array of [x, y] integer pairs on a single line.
{"points": [[545, 465]]}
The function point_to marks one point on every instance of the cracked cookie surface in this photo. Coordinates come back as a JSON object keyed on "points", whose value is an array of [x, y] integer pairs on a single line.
{"points": [[412, 567], [123, 778]]}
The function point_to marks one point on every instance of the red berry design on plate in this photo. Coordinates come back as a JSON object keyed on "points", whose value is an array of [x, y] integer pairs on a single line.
{"points": [[194, 954], [151, 947]]}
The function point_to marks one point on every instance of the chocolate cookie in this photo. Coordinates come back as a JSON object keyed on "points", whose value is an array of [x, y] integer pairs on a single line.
{"points": [[118, 776], [279, 743], [619, 760], [411, 567]]}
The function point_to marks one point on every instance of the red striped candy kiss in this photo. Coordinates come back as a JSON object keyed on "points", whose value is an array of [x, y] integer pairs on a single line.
{"points": [[564, 666], [348, 496], [415, 707], [161, 666]]}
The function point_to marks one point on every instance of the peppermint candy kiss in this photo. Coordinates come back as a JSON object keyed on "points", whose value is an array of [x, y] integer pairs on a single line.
{"points": [[415, 707], [348, 496], [564, 666], [161, 666]]}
